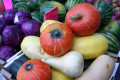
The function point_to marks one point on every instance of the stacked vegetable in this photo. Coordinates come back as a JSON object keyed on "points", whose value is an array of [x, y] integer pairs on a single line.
{"points": [[61, 51], [12, 31]]}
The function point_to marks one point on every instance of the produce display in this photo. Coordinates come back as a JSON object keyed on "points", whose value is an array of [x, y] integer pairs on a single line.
{"points": [[73, 48]]}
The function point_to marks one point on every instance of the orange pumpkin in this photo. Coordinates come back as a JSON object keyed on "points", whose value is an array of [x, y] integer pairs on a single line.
{"points": [[83, 19], [34, 69], [56, 39]]}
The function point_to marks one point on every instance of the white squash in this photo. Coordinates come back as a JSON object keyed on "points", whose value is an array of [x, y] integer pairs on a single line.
{"points": [[71, 64], [32, 49], [101, 69]]}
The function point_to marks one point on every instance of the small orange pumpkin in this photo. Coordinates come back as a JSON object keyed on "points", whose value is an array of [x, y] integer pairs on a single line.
{"points": [[56, 39], [34, 69]]}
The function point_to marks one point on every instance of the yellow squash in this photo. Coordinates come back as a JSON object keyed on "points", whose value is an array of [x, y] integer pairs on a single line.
{"points": [[90, 46], [57, 75], [46, 23]]}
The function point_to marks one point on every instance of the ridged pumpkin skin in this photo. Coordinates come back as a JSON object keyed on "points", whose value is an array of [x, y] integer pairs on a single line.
{"points": [[39, 71], [56, 45], [89, 22], [90, 46]]}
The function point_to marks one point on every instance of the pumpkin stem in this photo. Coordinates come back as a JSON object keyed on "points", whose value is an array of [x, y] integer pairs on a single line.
{"points": [[77, 16], [57, 33], [28, 66]]}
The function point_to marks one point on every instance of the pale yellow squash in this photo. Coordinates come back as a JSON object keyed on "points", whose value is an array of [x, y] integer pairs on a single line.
{"points": [[46, 23], [101, 69], [32, 49], [90, 46]]}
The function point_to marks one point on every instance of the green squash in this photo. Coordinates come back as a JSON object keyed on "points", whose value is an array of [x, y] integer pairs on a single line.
{"points": [[36, 4], [16, 1], [22, 6], [70, 3], [36, 16], [112, 27], [105, 10], [49, 5], [113, 44]]}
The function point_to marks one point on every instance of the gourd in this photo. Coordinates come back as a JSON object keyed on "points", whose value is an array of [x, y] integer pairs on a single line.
{"points": [[46, 23], [90, 46], [112, 27], [22, 6], [36, 16], [106, 11], [34, 69], [49, 5], [101, 69], [70, 3], [56, 39], [32, 49], [113, 44], [71, 64], [57, 75], [83, 19]]}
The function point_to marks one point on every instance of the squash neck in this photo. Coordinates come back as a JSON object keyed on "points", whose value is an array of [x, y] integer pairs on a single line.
{"points": [[77, 16], [29, 66]]}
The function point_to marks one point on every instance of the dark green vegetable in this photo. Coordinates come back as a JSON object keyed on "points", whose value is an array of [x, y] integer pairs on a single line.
{"points": [[16, 1], [22, 6], [113, 44], [105, 10], [36, 4], [36, 16], [112, 27], [70, 3], [49, 5]]}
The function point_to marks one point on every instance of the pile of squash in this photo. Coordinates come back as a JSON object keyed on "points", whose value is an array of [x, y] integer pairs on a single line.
{"points": [[62, 48]]}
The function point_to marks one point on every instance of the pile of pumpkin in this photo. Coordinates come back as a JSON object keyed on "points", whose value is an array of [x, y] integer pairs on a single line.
{"points": [[61, 50]]}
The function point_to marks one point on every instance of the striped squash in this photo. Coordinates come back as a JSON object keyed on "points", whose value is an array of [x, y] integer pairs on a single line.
{"points": [[70, 3], [112, 27], [36, 16], [49, 5], [106, 11], [22, 6], [113, 44]]}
